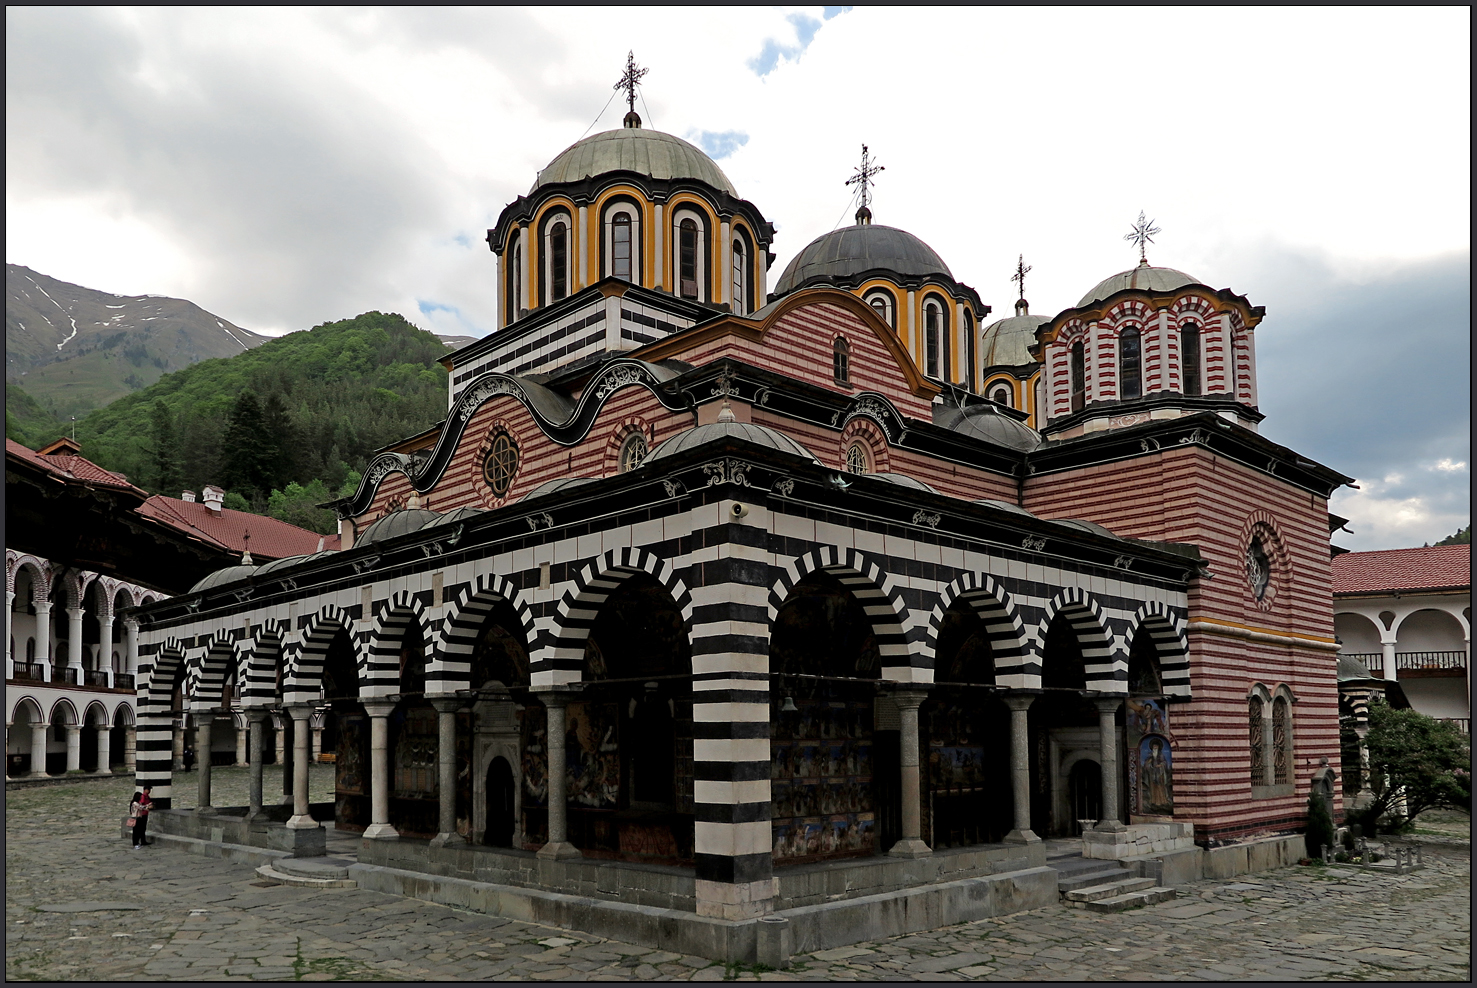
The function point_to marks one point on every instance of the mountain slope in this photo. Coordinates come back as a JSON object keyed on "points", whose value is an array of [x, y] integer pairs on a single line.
{"points": [[76, 348]]}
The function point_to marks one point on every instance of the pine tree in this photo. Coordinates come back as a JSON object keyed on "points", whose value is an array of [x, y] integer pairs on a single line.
{"points": [[165, 449], [249, 451]]}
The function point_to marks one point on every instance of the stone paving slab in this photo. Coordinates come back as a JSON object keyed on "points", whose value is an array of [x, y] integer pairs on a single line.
{"points": [[171, 916]]}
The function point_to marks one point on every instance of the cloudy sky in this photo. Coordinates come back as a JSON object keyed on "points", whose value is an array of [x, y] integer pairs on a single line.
{"points": [[284, 167]]}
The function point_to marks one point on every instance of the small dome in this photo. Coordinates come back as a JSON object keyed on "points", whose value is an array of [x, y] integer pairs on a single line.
{"points": [[220, 577], [1003, 343], [632, 149], [759, 435], [853, 250], [903, 480], [1086, 526], [985, 422], [455, 515], [288, 561], [557, 485], [1145, 278], [395, 523], [1350, 668], [1005, 506]]}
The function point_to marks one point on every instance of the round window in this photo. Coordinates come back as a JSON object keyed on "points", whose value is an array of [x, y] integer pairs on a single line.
{"points": [[501, 464], [1258, 569], [633, 451], [856, 458]]}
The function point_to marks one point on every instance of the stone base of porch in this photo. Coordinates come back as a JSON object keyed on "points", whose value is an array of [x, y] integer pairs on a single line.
{"points": [[1138, 839]]}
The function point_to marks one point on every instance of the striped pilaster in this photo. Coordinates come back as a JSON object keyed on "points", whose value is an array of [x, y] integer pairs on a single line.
{"points": [[730, 714], [154, 734]]}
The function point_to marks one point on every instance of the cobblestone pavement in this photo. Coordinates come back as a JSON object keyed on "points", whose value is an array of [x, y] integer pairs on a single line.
{"points": [[80, 905]]}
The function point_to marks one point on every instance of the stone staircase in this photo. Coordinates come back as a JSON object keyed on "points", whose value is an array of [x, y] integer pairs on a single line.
{"points": [[1102, 886], [330, 872]]}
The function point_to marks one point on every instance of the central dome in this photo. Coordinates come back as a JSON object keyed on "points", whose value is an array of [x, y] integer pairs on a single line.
{"points": [[632, 149], [852, 250], [1145, 277]]}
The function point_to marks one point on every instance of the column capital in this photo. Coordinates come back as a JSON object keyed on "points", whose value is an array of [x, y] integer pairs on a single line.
{"points": [[378, 708], [76, 613], [446, 703], [1109, 704], [1019, 701], [130, 623], [909, 697], [300, 711]]}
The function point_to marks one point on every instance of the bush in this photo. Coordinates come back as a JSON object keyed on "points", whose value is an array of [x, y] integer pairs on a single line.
{"points": [[1320, 827]]}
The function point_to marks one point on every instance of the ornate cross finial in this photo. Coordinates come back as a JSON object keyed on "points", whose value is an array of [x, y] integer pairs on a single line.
{"points": [[630, 79], [1143, 235], [865, 177], [1021, 270]]}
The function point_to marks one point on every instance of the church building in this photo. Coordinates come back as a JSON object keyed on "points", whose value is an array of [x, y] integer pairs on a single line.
{"points": [[722, 603]]}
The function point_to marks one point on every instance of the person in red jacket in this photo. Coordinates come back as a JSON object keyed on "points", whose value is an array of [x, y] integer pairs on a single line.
{"points": [[139, 810]]}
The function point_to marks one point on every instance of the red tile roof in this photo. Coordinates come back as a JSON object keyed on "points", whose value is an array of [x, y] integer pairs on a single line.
{"points": [[66, 466], [266, 538], [1427, 568]]}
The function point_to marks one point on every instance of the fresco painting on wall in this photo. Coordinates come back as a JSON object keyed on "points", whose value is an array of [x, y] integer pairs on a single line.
{"points": [[1150, 762]]}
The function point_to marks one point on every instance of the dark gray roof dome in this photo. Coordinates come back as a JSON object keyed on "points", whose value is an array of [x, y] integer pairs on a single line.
{"points": [[1145, 277], [1003, 343], [289, 561], [1352, 669], [903, 480], [1086, 526], [556, 485], [984, 422], [1005, 506], [228, 574], [759, 435], [401, 522], [455, 515], [852, 250], [633, 149]]}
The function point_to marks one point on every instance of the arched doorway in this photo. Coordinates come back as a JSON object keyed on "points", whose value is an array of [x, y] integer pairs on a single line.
{"points": [[414, 740], [500, 792], [1085, 792], [964, 734], [351, 795], [1061, 722], [834, 792]]}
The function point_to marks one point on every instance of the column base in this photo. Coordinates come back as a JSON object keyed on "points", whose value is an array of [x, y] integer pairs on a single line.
{"points": [[103, 771], [38, 775], [1022, 837], [910, 847], [1109, 827], [304, 822], [560, 851], [447, 840], [381, 831], [202, 810]]}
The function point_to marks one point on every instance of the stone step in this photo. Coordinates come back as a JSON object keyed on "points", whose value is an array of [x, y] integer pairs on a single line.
{"points": [[1131, 900], [319, 867], [1087, 879], [1108, 890], [271, 874]]}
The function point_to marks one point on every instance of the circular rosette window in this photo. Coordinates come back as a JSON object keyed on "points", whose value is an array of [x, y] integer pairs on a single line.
{"points": [[500, 465]]}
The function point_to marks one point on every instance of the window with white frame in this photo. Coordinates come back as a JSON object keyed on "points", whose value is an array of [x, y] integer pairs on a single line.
{"points": [[556, 260], [933, 339], [1190, 358], [1130, 363], [1077, 371], [690, 244], [882, 304], [623, 242], [1000, 394], [740, 286]]}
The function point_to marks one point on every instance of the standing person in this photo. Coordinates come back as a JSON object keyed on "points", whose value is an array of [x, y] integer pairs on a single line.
{"points": [[140, 811]]}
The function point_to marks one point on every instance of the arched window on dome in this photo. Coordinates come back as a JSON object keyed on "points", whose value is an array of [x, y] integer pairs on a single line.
{"points": [[621, 241], [841, 361], [556, 260], [1190, 358], [1130, 363], [1000, 394], [740, 283], [515, 283], [882, 304], [1078, 372], [935, 339], [620, 246], [687, 259], [967, 324]]}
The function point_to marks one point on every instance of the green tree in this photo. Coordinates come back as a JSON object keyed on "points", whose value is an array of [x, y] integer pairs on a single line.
{"points": [[1418, 760], [165, 450], [298, 505], [1462, 536], [249, 450]]}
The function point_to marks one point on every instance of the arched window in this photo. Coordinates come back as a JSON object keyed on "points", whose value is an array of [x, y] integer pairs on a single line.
{"points": [[1078, 372], [1231, 361], [933, 339], [1000, 394], [740, 283], [881, 303], [501, 464], [515, 292], [856, 458], [620, 246], [633, 451], [687, 261], [1130, 364], [1258, 568], [969, 343], [1254, 736], [30, 650], [1190, 358], [1281, 735], [841, 361], [558, 261]]}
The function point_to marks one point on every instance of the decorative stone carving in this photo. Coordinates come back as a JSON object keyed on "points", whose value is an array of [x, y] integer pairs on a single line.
{"points": [[1123, 562], [618, 377], [673, 488], [541, 520], [473, 397], [921, 517], [1033, 544], [727, 471], [785, 487]]}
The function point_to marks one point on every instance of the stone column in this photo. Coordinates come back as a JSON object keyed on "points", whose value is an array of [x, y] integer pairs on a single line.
{"points": [[1107, 710], [279, 741], [130, 749], [241, 743], [203, 725], [74, 640], [74, 747], [256, 723], [1387, 650], [38, 751], [446, 708], [317, 742], [9, 637], [1020, 767], [177, 745], [911, 844], [379, 772], [43, 638], [130, 641], [104, 750], [558, 845], [302, 817], [105, 646], [283, 721]]}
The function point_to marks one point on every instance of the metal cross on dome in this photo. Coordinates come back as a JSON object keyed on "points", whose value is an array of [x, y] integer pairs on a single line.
{"points": [[1143, 235], [630, 79], [1021, 270], [864, 176]]}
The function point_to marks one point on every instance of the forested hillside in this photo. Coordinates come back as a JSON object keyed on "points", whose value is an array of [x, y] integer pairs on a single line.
{"points": [[281, 426]]}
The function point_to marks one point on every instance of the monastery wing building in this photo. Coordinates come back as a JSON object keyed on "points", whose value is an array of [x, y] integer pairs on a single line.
{"points": [[745, 599]]}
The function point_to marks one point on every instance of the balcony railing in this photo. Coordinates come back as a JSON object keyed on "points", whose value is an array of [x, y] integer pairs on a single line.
{"points": [[30, 672], [1373, 661], [95, 677], [122, 681], [1430, 660], [1464, 724], [66, 674]]}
